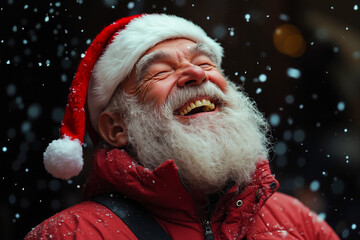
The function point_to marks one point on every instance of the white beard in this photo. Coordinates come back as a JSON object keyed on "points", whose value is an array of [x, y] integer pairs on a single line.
{"points": [[209, 151]]}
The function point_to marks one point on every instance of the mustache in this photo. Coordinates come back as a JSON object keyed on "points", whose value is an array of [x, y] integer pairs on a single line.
{"points": [[182, 95]]}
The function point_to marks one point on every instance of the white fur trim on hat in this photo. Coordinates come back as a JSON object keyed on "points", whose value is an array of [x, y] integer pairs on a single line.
{"points": [[129, 45], [63, 158]]}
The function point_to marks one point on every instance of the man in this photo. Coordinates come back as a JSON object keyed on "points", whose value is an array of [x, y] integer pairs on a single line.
{"points": [[175, 136]]}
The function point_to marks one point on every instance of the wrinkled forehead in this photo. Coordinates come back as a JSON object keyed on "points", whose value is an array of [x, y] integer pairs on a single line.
{"points": [[190, 48]]}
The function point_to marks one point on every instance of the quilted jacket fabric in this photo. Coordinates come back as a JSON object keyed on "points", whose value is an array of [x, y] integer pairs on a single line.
{"points": [[255, 211]]}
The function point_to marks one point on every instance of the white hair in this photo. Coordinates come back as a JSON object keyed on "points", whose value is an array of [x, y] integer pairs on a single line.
{"points": [[210, 150]]}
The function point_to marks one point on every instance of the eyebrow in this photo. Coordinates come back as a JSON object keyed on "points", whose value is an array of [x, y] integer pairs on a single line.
{"points": [[145, 62]]}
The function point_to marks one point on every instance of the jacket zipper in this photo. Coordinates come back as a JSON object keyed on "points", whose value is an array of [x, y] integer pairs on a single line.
{"points": [[206, 223], [208, 233]]}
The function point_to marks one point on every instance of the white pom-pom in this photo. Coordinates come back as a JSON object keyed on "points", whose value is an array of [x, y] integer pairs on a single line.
{"points": [[63, 158]]}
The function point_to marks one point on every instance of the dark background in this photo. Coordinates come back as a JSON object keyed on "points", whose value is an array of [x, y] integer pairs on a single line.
{"points": [[315, 116]]}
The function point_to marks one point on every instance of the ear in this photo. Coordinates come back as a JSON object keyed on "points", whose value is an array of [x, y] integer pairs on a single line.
{"points": [[112, 129]]}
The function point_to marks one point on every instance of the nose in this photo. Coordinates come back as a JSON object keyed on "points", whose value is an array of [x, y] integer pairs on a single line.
{"points": [[192, 75]]}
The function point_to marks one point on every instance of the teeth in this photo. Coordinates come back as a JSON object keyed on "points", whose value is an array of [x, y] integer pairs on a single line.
{"points": [[206, 104]]}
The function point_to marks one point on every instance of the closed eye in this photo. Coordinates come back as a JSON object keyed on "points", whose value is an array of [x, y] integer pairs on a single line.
{"points": [[160, 74], [206, 66]]}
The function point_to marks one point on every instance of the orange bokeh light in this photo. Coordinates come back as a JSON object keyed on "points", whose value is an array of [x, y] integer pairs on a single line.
{"points": [[288, 40]]}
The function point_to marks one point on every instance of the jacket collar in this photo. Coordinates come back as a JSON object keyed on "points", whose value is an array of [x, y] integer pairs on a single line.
{"points": [[162, 192]]}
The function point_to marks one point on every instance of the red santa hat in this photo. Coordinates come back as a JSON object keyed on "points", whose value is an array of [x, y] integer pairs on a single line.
{"points": [[108, 61]]}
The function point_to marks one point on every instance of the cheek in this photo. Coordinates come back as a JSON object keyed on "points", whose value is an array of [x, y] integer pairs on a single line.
{"points": [[217, 78], [158, 92]]}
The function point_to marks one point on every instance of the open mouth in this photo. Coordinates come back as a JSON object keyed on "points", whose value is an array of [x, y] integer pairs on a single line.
{"points": [[196, 106]]}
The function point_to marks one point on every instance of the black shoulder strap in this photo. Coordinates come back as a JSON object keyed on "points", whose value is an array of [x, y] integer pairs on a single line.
{"points": [[136, 217]]}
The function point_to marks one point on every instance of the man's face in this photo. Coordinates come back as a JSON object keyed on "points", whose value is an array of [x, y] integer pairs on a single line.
{"points": [[212, 144], [171, 65]]}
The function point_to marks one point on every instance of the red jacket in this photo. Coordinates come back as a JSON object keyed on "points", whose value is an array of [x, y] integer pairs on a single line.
{"points": [[254, 212]]}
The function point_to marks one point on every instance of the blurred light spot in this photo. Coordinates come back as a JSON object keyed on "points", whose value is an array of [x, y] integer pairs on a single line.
{"points": [[219, 31], [293, 73], [46, 19], [57, 114], [17, 215], [242, 78], [341, 106], [232, 32], [4, 149], [12, 199], [274, 120], [63, 77], [287, 135], [356, 55], [356, 7], [11, 89], [247, 17], [280, 148], [262, 78], [353, 226], [66, 63], [299, 182], [345, 233], [314, 186], [110, 3], [54, 185], [336, 49], [25, 126], [321, 216], [34, 111], [288, 40], [180, 3], [284, 17], [259, 90], [337, 186], [290, 121], [299, 135], [131, 5], [289, 99], [321, 33]]}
